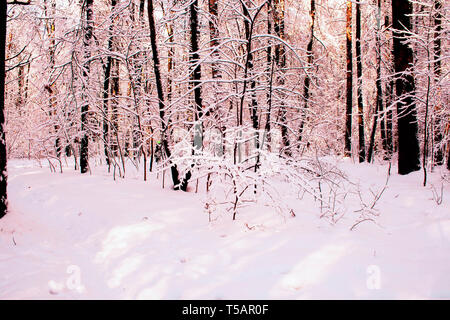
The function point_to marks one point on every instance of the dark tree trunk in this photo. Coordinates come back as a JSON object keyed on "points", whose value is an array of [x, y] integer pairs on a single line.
{"points": [[269, 70], [114, 94], [389, 131], [379, 99], [170, 61], [408, 143], [194, 59], [84, 148], [159, 89], [254, 103], [214, 35], [448, 156], [280, 60], [307, 81], [195, 83], [362, 145], [386, 123], [106, 84], [20, 85], [438, 136], [27, 83], [141, 10], [348, 114], [249, 24], [3, 156]]}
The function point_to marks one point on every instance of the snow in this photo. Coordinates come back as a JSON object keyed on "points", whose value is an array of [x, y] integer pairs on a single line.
{"points": [[73, 236]]}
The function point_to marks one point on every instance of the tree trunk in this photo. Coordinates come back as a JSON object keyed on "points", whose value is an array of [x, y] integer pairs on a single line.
{"points": [[408, 143], [348, 116], [135, 77], [386, 123], [448, 156], [195, 79], [20, 85], [280, 59], [254, 103], [215, 71], [3, 156], [27, 77], [438, 136], [307, 81], [269, 70], [106, 89], [387, 127], [362, 146], [170, 61], [51, 88], [214, 36], [88, 27], [115, 92], [194, 62], [379, 98], [159, 89]]}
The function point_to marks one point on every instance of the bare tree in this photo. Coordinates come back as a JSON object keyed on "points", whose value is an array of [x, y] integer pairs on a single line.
{"points": [[362, 146], [408, 144], [88, 30], [379, 98], [280, 60], [438, 136], [49, 9], [3, 156], [349, 103], [160, 92], [307, 81]]}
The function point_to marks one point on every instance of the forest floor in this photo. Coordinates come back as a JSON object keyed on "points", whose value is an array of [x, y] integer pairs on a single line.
{"points": [[69, 236]]}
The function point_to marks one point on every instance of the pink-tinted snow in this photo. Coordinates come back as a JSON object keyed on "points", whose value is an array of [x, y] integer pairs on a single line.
{"points": [[70, 236]]}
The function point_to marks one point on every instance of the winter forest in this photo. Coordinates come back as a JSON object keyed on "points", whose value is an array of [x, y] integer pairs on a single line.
{"points": [[212, 149]]}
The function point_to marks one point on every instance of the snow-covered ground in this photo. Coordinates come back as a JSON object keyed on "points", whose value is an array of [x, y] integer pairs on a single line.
{"points": [[69, 236]]}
